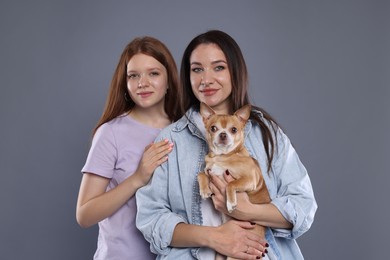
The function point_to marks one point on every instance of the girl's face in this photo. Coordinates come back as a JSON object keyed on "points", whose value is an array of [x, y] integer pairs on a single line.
{"points": [[210, 77], [147, 81]]}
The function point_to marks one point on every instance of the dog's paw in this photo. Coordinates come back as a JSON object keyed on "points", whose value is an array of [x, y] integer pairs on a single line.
{"points": [[205, 193], [230, 206]]}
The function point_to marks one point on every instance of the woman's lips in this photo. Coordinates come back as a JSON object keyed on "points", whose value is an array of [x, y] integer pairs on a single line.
{"points": [[209, 91]]}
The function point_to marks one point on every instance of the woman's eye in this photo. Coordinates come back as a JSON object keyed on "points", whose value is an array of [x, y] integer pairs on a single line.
{"points": [[218, 68], [196, 70], [213, 129]]}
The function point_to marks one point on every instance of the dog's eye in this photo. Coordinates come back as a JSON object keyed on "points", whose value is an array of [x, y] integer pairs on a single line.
{"points": [[234, 130], [213, 129]]}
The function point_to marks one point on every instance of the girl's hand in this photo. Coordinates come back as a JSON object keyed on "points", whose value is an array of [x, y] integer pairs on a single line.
{"points": [[237, 240], [154, 155]]}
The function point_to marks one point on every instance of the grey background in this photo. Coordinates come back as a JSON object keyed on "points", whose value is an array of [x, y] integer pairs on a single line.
{"points": [[322, 68]]}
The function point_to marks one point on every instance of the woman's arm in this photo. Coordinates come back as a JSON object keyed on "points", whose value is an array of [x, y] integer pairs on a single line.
{"points": [[95, 204], [234, 238], [292, 209], [263, 214]]}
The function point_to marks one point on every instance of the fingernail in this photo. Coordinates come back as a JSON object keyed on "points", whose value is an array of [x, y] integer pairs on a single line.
{"points": [[258, 257], [253, 223], [227, 172], [263, 255], [265, 251], [212, 194], [266, 245]]}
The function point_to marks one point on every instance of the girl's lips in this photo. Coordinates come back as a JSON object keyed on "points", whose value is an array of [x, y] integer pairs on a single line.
{"points": [[144, 94], [208, 91]]}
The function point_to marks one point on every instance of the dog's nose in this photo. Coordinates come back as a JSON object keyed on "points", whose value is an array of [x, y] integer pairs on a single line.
{"points": [[222, 136]]}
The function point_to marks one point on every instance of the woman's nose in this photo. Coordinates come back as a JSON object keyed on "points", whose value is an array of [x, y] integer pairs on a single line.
{"points": [[207, 77]]}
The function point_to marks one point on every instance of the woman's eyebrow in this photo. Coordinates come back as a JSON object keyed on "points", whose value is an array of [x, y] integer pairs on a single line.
{"points": [[213, 62], [218, 61], [195, 63]]}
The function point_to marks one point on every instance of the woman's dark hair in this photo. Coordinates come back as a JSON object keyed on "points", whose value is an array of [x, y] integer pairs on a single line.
{"points": [[239, 77], [118, 102]]}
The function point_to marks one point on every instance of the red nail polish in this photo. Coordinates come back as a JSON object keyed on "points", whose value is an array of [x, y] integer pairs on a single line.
{"points": [[227, 172]]}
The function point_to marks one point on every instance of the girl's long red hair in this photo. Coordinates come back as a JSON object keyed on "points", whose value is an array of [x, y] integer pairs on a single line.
{"points": [[117, 104]]}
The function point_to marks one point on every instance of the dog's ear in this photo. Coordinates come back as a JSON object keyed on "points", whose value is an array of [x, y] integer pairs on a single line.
{"points": [[206, 111], [244, 113]]}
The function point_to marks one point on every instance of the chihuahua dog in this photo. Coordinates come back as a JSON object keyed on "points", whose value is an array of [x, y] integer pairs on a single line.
{"points": [[227, 153]]}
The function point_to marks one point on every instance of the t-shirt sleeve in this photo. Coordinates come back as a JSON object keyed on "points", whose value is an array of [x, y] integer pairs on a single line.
{"points": [[102, 155]]}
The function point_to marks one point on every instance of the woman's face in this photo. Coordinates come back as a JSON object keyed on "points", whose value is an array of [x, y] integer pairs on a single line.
{"points": [[210, 77], [147, 81]]}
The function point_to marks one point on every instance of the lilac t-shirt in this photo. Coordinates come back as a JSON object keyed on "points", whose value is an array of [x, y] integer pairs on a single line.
{"points": [[116, 150]]}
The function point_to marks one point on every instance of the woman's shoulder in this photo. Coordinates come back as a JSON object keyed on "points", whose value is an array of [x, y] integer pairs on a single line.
{"points": [[173, 127], [177, 128]]}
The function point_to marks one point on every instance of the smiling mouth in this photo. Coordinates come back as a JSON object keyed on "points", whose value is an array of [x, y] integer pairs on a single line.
{"points": [[144, 94], [208, 91]]}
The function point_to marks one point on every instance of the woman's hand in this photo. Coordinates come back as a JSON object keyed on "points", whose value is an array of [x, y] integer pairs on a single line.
{"points": [[235, 239], [218, 187], [263, 214], [154, 155]]}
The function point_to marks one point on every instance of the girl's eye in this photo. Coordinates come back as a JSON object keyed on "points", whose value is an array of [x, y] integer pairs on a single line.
{"points": [[154, 73], [234, 130], [213, 129], [132, 76]]}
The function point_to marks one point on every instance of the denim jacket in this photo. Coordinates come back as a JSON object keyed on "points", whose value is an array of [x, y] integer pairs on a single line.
{"points": [[172, 195]]}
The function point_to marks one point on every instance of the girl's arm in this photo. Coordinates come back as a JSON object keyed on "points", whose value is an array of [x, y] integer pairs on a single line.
{"points": [[95, 204]]}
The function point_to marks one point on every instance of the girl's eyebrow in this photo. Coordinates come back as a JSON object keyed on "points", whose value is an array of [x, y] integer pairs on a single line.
{"points": [[149, 69]]}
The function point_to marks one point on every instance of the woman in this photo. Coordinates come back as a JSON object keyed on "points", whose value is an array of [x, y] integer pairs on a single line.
{"points": [[144, 97], [171, 214]]}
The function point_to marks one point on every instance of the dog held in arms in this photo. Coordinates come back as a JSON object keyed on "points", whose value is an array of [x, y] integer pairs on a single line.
{"points": [[225, 138]]}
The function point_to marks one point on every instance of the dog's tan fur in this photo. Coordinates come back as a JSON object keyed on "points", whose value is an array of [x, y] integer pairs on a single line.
{"points": [[232, 156]]}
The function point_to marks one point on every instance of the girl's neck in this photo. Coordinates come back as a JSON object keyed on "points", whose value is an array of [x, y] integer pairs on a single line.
{"points": [[153, 117]]}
